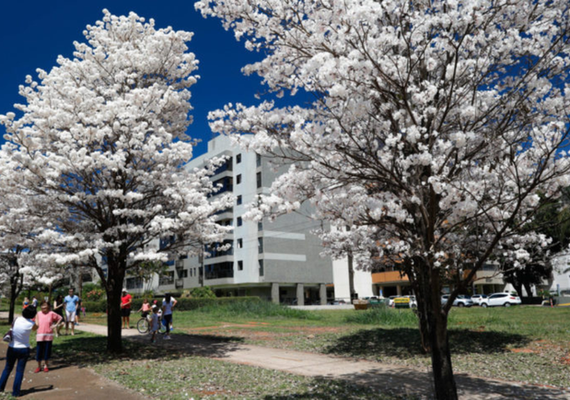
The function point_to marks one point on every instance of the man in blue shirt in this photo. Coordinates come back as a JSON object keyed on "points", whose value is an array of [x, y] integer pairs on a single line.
{"points": [[70, 307]]}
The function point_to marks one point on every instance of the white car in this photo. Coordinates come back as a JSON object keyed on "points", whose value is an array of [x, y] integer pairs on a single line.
{"points": [[478, 298], [501, 299], [460, 301]]}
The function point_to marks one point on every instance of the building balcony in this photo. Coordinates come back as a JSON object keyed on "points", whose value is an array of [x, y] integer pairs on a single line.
{"points": [[392, 277]]}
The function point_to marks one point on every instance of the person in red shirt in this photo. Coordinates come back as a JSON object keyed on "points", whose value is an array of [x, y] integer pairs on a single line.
{"points": [[126, 300]]}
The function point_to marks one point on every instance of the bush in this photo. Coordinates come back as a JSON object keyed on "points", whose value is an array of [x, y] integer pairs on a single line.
{"points": [[95, 306], [255, 310], [203, 292]]}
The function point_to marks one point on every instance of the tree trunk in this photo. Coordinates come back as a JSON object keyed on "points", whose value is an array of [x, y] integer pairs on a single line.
{"points": [[444, 382], [433, 321], [528, 288], [113, 287]]}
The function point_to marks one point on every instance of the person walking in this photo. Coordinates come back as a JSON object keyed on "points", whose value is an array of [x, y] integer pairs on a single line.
{"points": [[46, 320], [19, 349], [35, 302], [70, 306], [58, 309], [167, 306], [126, 300]]}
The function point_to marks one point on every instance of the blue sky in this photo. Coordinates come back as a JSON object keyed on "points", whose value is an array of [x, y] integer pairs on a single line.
{"points": [[33, 33]]}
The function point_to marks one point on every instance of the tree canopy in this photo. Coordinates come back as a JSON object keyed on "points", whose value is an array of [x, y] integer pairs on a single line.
{"points": [[434, 126], [97, 155]]}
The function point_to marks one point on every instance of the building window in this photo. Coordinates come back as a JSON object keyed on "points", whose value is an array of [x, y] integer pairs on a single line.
{"points": [[240, 243], [258, 160], [239, 221], [261, 271], [239, 200], [260, 245], [167, 278], [238, 158], [240, 265], [260, 226], [182, 273], [238, 179], [258, 180]]}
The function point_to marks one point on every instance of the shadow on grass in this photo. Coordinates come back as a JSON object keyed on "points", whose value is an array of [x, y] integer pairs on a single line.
{"points": [[406, 343], [85, 349]]}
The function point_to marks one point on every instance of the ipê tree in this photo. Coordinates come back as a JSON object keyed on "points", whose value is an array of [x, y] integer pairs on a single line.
{"points": [[433, 127], [101, 145]]}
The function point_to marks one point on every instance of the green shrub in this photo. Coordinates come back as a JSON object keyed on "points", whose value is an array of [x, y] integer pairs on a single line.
{"points": [[203, 292], [95, 306], [256, 309]]}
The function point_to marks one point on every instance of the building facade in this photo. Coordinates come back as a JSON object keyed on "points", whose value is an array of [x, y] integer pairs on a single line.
{"points": [[278, 260]]}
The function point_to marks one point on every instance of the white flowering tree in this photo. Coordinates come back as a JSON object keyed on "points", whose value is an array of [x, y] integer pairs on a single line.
{"points": [[97, 156], [433, 127]]}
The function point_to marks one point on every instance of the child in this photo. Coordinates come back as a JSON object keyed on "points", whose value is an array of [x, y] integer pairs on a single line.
{"points": [[154, 323], [145, 308], [46, 321]]}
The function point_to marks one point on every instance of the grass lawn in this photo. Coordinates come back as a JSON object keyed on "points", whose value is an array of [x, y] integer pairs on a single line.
{"points": [[527, 344]]}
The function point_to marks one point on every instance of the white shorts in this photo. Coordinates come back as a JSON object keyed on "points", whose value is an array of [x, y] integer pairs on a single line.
{"points": [[70, 316]]}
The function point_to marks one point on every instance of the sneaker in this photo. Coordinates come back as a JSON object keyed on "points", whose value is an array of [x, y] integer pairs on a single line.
{"points": [[46, 369], [38, 369], [166, 337]]}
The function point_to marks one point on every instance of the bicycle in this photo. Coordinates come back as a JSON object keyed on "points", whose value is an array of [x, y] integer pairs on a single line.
{"points": [[143, 325]]}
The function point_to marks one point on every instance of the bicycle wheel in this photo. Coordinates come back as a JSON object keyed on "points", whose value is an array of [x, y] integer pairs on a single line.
{"points": [[142, 325]]}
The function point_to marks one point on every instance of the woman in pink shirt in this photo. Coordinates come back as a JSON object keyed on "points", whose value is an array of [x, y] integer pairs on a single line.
{"points": [[45, 320]]}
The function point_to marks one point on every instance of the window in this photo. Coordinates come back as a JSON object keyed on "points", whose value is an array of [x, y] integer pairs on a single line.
{"points": [[239, 221], [260, 245], [261, 271], [238, 158], [240, 265], [238, 179], [258, 180], [167, 278], [260, 226], [239, 200], [240, 243], [183, 273], [258, 160]]}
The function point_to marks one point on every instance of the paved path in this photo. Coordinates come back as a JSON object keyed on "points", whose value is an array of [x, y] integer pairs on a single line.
{"points": [[384, 377]]}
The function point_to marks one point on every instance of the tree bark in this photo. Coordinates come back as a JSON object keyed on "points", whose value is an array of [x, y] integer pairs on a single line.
{"points": [[433, 322], [113, 286]]}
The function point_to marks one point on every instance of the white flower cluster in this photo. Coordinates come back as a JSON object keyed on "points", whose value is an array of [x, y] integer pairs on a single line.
{"points": [[435, 124], [94, 167]]}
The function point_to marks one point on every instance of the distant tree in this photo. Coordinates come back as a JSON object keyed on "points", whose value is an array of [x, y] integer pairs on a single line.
{"points": [[553, 221], [434, 127], [100, 147]]}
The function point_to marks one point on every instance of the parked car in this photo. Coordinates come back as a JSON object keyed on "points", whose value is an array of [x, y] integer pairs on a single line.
{"points": [[460, 301], [501, 299], [478, 298], [391, 301], [337, 302]]}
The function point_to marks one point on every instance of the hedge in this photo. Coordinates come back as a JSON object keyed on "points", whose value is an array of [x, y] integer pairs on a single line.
{"points": [[183, 304]]}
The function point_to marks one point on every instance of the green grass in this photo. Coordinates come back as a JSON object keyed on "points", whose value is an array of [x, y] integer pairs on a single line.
{"points": [[203, 378], [527, 344]]}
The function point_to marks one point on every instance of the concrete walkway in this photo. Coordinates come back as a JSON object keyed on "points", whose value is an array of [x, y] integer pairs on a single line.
{"points": [[384, 377]]}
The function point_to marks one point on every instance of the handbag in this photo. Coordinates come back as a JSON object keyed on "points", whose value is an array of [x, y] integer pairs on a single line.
{"points": [[9, 335]]}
